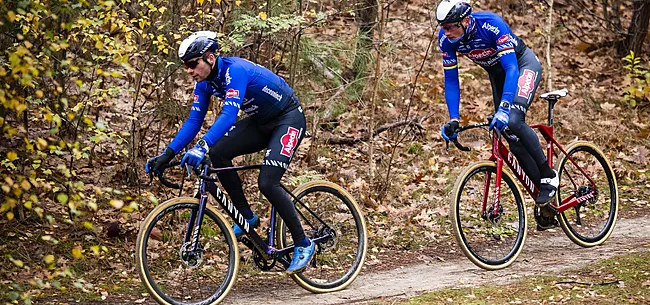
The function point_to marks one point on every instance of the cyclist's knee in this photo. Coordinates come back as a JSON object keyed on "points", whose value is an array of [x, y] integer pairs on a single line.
{"points": [[267, 185], [218, 159], [517, 120]]}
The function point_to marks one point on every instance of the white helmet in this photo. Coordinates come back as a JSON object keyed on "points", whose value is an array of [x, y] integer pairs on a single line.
{"points": [[197, 44], [451, 11]]}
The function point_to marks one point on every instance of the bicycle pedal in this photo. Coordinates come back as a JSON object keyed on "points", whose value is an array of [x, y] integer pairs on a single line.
{"points": [[549, 211]]}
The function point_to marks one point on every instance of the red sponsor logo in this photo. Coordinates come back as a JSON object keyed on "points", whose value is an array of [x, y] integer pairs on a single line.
{"points": [[232, 93], [503, 39], [481, 53], [289, 142], [196, 98], [526, 83], [444, 54]]}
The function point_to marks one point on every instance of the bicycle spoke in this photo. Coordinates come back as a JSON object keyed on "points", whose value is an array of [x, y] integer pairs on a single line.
{"points": [[590, 222], [180, 275], [328, 214], [490, 236]]}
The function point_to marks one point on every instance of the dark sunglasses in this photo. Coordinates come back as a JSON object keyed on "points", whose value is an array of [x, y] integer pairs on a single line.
{"points": [[192, 63], [450, 26]]}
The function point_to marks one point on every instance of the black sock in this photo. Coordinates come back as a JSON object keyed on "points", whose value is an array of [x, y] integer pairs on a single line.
{"points": [[546, 171]]}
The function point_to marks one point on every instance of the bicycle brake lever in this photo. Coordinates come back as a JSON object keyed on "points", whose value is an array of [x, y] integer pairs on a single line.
{"points": [[189, 170]]}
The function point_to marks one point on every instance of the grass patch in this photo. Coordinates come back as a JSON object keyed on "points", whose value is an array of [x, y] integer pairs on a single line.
{"points": [[617, 280]]}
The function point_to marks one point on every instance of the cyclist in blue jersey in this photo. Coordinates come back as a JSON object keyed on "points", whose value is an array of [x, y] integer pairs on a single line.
{"points": [[275, 122], [514, 72]]}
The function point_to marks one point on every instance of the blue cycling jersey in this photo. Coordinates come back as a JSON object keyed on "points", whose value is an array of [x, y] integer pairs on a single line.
{"points": [[488, 40], [243, 85]]}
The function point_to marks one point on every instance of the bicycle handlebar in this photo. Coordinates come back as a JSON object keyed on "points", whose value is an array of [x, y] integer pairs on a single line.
{"points": [[197, 170], [510, 137], [461, 129], [162, 178]]}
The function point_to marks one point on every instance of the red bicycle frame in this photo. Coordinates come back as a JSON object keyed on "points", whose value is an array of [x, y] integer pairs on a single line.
{"points": [[501, 155]]}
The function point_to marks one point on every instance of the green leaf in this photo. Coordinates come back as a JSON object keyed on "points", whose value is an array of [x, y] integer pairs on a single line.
{"points": [[62, 198], [13, 296]]}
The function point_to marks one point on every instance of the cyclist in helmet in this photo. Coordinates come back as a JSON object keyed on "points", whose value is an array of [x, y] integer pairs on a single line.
{"points": [[275, 122], [514, 72]]}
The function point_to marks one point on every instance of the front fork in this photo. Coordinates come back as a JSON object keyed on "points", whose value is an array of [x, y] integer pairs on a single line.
{"points": [[494, 211], [196, 216]]}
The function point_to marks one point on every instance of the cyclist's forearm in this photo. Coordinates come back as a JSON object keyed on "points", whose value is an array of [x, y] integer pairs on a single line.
{"points": [[187, 132], [226, 119], [511, 67], [452, 93]]}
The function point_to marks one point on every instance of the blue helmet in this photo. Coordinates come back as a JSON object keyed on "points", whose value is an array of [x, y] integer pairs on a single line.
{"points": [[197, 44], [451, 11]]}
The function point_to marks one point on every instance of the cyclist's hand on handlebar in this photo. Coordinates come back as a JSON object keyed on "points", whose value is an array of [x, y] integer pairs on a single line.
{"points": [[154, 164], [195, 155], [500, 120], [449, 130]]}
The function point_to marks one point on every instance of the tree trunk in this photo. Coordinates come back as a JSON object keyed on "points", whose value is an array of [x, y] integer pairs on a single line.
{"points": [[366, 20], [639, 26], [615, 17]]}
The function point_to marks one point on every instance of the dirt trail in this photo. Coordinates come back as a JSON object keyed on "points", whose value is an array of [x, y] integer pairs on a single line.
{"points": [[543, 252]]}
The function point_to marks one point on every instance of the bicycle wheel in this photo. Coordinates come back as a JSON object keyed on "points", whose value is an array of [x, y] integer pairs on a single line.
{"points": [[591, 222], [337, 261], [174, 280], [490, 240]]}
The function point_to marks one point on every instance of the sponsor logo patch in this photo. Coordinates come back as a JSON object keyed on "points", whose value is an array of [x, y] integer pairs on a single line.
{"points": [[481, 53], [228, 78], [232, 93], [503, 39], [445, 54], [491, 28], [272, 93], [196, 98], [289, 142], [526, 83]]}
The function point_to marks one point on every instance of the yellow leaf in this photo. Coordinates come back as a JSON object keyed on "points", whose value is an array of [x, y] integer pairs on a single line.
{"points": [[118, 204], [262, 15], [70, 116], [25, 185], [218, 1], [76, 253], [95, 250], [12, 16], [10, 216], [21, 107], [18, 263], [48, 259], [39, 93], [200, 2], [12, 155], [49, 117], [237, 3], [28, 205], [41, 144]]}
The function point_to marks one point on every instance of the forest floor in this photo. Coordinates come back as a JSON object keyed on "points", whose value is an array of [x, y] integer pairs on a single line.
{"points": [[546, 254]]}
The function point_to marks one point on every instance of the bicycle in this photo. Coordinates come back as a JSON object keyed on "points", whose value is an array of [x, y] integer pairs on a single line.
{"points": [[490, 227], [177, 240]]}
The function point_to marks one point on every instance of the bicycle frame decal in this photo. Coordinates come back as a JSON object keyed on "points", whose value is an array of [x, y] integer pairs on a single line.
{"points": [[519, 172], [230, 207]]}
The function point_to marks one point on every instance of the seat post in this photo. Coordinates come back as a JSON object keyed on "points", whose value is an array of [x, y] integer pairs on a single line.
{"points": [[551, 102]]}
